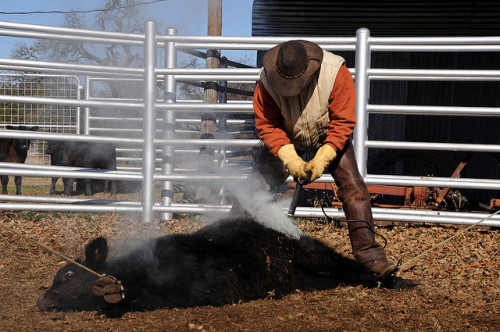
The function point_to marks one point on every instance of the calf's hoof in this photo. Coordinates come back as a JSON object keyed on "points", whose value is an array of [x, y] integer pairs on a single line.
{"points": [[110, 288], [399, 283]]}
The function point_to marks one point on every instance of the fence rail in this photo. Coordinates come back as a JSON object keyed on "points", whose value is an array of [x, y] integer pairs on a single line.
{"points": [[154, 110]]}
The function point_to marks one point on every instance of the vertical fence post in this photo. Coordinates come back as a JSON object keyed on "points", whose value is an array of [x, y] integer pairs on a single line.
{"points": [[79, 109], [169, 124], [86, 110], [149, 122], [222, 130], [362, 95]]}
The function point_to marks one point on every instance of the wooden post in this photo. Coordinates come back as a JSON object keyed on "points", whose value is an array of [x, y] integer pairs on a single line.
{"points": [[213, 56], [208, 120]]}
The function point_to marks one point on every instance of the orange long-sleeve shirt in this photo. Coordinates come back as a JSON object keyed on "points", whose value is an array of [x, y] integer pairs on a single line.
{"points": [[342, 100]]}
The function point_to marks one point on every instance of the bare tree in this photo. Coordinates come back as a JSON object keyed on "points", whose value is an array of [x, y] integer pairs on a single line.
{"points": [[119, 16]]}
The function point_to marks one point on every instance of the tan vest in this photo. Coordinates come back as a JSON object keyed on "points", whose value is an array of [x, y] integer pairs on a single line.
{"points": [[305, 116]]}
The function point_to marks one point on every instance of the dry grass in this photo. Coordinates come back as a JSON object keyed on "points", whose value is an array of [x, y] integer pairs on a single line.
{"points": [[455, 294]]}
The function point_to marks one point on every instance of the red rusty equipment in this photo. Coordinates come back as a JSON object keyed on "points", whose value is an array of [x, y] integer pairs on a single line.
{"points": [[494, 204], [411, 197]]}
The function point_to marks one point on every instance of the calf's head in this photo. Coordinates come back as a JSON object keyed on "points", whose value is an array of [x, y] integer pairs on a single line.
{"points": [[70, 153], [72, 285], [54, 147], [22, 144]]}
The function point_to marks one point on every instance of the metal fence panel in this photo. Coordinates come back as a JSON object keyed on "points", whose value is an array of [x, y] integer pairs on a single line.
{"points": [[50, 118], [141, 124]]}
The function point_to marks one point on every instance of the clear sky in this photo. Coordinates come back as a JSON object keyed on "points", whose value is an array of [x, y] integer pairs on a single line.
{"points": [[189, 17]]}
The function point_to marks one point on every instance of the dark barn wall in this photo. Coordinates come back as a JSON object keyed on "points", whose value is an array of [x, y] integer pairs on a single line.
{"points": [[404, 18], [383, 18]]}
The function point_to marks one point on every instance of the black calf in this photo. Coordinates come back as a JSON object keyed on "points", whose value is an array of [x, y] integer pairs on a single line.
{"points": [[14, 151], [226, 262], [89, 155]]}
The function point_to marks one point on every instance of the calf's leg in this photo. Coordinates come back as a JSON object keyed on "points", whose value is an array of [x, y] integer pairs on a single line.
{"points": [[110, 186], [88, 187], [17, 181], [68, 187], [5, 181], [53, 186]]}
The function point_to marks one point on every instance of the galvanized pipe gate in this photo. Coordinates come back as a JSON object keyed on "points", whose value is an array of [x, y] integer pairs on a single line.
{"points": [[166, 109]]}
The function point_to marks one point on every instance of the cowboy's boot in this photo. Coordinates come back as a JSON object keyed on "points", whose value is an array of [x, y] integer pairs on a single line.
{"points": [[367, 252], [356, 204]]}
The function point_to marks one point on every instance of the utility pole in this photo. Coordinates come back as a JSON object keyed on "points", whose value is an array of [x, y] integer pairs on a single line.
{"points": [[208, 119]]}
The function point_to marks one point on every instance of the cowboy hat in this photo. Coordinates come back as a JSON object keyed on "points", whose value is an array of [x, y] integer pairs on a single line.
{"points": [[290, 66]]}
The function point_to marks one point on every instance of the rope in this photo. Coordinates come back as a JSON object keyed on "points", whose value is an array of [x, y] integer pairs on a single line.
{"points": [[480, 264], [51, 250], [406, 265]]}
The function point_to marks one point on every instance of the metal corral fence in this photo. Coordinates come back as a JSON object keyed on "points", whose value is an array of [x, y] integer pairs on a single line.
{"points": [[160, 114]]}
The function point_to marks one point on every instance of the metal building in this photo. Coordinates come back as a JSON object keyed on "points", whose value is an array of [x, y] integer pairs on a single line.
{"points": [[415, 19]]}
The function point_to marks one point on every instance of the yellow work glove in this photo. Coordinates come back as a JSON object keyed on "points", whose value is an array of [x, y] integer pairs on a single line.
{"points": [[294, 164], [324, 156]]}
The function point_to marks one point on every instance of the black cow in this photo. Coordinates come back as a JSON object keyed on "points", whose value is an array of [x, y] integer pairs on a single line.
{"points": [[14, 151], [226, 262], [89, 155]]}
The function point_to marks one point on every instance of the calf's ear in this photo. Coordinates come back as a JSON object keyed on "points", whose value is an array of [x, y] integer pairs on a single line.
{"points": [[10, 127], [34, 128], [96, 253]]}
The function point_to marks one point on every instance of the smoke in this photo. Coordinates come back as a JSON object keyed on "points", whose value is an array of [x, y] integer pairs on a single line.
{"points": [[255, 198]]}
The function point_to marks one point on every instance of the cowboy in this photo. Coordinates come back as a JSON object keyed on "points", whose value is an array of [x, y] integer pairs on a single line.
{"points": [[305, 102]]}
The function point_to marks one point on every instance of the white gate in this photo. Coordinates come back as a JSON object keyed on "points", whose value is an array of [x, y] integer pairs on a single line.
{"points": [[50, 118]]}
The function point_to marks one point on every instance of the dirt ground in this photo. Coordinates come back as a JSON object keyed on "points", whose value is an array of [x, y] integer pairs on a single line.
{"points": [[460, 281]]}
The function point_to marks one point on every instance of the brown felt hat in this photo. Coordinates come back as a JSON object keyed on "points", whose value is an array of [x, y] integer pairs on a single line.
{"points": [[290, 66]]}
